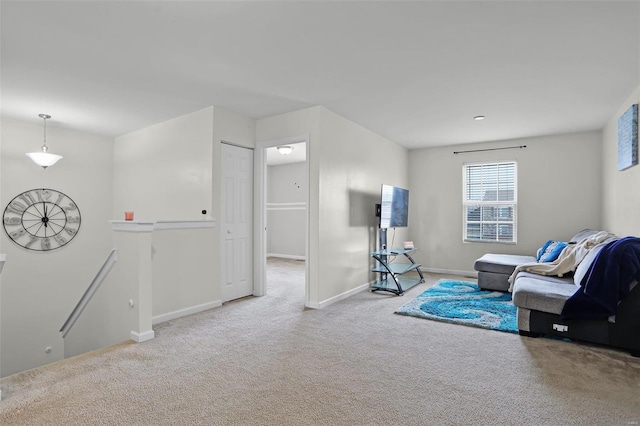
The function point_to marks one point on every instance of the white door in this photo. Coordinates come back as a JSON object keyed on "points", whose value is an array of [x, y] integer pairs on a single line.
{"points": [[237, 222]]}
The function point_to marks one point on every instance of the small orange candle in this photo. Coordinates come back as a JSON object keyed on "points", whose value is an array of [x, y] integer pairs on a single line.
{"points": [[128, 215]]}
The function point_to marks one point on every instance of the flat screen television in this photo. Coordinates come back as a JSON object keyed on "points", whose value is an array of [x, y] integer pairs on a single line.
{"points": [[394, 207]]}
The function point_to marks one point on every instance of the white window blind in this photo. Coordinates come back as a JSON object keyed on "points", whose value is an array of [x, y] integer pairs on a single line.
{"points": [[490, 201]]}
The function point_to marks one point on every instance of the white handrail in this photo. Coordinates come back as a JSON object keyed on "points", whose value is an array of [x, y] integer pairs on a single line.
{"points": [[86, 297]]}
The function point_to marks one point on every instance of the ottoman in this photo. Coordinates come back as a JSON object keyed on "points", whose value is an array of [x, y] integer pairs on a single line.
{"points": [[494, 270]]}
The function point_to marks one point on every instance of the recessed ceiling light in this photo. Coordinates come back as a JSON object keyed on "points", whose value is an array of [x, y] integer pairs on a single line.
{"points": [[479, 117]]}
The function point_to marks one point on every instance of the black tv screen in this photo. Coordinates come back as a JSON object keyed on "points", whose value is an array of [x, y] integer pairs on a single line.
{"points": [[394, 207]]}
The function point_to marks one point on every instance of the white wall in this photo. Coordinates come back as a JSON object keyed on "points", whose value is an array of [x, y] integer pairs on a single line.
{"points": [[163, 172], [354, 163], [621, 199], [559, 193], [172, 171], [39, 289], [180, 279], [108, 319], [348, 164], [286, 210]]}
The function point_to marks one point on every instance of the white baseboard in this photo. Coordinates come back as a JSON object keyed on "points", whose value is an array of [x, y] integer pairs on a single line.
{"points": [[186, 311], [142, 337], [286, 256], [339, 297], [470, 274]]}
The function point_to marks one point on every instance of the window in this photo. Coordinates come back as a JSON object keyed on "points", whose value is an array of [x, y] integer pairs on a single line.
{"points": [[489, 202]]}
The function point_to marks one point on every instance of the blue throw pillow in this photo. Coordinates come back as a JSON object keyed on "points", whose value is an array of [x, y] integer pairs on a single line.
{"points": [[550, 251]]}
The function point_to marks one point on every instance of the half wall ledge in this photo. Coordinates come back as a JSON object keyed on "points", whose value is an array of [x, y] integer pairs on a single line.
{"points": [[160, 225], [136, 264]]}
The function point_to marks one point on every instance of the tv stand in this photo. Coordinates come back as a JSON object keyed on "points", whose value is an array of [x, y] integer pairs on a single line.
{"points": [[391, 278]]}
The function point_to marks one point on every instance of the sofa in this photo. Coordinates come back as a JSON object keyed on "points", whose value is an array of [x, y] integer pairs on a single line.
{"points": [[588, 293]]}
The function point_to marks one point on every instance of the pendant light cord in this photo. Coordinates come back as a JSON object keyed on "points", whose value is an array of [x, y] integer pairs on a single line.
{"points": [[44, 146]]}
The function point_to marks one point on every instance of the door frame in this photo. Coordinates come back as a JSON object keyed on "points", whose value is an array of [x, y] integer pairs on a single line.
{"points": [[260, 219]]}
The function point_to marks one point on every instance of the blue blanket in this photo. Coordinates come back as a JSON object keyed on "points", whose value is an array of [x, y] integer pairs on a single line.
{"points": [[607, 281]]}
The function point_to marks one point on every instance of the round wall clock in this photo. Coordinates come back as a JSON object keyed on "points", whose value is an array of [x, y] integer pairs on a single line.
{"points": [[41, 219]]}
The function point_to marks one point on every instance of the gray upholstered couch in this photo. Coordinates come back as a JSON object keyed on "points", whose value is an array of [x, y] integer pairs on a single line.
{"points": [[540, 300]]}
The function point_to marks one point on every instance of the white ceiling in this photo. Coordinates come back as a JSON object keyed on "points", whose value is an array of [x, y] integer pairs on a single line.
{"points": [[414, 72]]}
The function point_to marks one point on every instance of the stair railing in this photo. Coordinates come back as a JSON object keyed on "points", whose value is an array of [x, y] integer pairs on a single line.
{"points": [[88, 294]]}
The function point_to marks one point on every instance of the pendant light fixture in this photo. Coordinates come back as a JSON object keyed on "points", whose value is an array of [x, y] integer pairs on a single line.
{"points": [[43, 158]]}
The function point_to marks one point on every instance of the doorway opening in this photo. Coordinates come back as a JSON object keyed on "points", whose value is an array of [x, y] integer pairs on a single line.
{"points": [[282, 178]]}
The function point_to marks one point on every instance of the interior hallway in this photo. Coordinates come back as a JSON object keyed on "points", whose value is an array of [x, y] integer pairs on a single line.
{"points": [[285, 280]]}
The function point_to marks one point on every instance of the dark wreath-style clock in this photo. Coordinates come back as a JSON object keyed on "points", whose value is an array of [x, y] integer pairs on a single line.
{"points": [[41, 219]]}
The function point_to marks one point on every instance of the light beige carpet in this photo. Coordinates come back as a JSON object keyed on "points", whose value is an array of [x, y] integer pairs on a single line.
{"points": [[268, 361]]}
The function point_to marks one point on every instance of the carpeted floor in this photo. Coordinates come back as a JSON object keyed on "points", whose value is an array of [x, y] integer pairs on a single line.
{"points": [[268, 361]]}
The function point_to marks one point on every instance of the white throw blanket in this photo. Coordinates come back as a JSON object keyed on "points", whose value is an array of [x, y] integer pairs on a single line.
{"points": [[568, 260]]}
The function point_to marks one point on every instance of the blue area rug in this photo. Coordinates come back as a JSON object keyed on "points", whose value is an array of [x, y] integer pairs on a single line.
{"points": [[461, 302]]}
